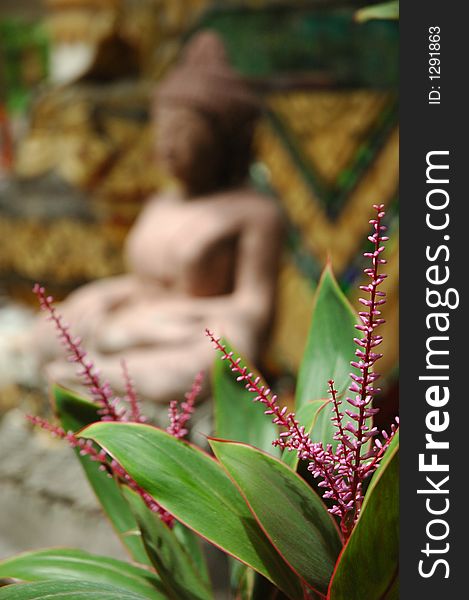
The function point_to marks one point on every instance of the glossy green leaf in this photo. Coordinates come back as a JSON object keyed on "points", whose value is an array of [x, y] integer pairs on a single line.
{"points": [[66, 590], [70, 564], [197, 491], [240, 579], [386, 10], [75, 412], [394, 591], [245, 584], [174, 565], [369, 562], [292, 515], [236, 416], [192, 543], [306, 416], [329, 350]]}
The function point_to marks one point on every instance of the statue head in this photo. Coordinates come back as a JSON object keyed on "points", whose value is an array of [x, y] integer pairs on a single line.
{"points": [[205, 116]]}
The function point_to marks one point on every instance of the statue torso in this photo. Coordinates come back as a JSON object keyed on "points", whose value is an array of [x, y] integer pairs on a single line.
{"points": [[189, 247]]}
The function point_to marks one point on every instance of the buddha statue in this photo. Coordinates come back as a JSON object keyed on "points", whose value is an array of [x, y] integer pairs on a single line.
{"points": [[201, 255]]}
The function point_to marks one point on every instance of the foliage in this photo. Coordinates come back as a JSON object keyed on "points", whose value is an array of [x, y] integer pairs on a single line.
{"points": [[164, 495], [385, 10]]}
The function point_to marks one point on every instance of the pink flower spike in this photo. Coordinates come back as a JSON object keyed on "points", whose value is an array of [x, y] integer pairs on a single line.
{"points": [[178, 417], [101, 392], [131, 396], [341, 469]]}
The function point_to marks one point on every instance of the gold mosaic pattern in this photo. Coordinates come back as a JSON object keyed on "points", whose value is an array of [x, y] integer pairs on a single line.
{"points": [[69, 252], [329, 126], [294, 304], [342, 238], [63, 251], [152, 28]]}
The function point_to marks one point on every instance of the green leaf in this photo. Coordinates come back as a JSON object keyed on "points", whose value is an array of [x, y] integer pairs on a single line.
{"points": [[197, 491], [192, 543], [292, 515], [175, 567], [70, 564], [386, 10], [66, 590], [393, 593], [369, 561], [75, 412], [236, 418], [329, 350], [243, 580], [306, 416]]}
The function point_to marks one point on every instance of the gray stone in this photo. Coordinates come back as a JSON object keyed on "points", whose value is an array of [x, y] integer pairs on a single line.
{"points": [[45, 499]]}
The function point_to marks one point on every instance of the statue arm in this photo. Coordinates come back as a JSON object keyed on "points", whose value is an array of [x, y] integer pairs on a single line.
{"points": [[258, 260]]}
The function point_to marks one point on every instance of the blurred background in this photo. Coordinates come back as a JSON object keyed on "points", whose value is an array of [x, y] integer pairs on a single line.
{"points": [[77, 163]]}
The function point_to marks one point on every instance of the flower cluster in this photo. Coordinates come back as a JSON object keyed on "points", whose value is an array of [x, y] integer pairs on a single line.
{"points": [[111, 407], [342, 470]]}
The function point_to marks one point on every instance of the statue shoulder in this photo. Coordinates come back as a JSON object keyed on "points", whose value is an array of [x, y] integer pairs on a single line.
{"points": [[255, 205]]}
